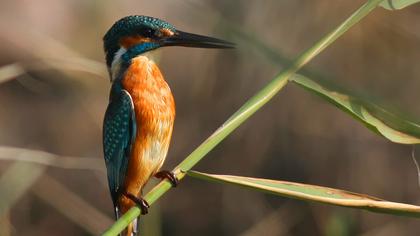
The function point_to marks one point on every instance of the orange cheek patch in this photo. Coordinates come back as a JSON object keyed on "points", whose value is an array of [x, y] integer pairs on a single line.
{"points": [[129, 41]]}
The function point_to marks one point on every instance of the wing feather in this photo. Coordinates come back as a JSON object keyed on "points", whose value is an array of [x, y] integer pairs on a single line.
{"points": [[119, 130]]}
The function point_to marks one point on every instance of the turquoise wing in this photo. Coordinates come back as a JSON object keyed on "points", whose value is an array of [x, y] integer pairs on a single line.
{"points": [[119, 130]]}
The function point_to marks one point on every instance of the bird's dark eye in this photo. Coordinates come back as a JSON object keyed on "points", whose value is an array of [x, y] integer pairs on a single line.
{"points": [[147, 32], [158, 33], [153, 33], [150, 33]]}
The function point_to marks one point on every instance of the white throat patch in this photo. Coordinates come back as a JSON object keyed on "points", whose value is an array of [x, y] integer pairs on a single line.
{"points": [[116, 63]]}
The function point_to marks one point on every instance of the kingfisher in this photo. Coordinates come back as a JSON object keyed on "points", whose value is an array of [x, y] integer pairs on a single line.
{"points": [[139, 119]]}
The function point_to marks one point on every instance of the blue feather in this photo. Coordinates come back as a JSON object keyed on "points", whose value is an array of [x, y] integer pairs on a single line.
{"points": [[119, 130]]}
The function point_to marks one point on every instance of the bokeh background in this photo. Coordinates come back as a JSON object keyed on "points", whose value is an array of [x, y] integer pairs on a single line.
{"points": [[54, 91]]}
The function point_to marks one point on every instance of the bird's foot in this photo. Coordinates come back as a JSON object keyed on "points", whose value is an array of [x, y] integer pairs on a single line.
{"points": [[164, 174], [140, 202]]}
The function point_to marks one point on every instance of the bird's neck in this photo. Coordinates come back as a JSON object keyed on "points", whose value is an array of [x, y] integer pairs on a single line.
{"points": [[123, 58]]}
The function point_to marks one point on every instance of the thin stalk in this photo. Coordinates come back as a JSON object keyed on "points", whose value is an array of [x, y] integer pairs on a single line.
{"points": [[248, 109]]}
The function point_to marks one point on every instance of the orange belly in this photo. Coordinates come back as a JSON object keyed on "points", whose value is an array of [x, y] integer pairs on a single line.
{"points": [[155, 113]]}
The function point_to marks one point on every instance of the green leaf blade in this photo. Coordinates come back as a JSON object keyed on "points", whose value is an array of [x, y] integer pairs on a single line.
{"points": [[314, 193], [374, 117], [397, 4]]}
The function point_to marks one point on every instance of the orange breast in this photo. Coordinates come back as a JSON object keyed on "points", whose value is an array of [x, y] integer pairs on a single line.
{"points": [[155, 113]]}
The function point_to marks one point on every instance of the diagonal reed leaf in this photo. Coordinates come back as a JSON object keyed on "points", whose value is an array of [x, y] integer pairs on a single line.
{"points": [[381, 121], [376, 118], [397, 4], [307, 192]]}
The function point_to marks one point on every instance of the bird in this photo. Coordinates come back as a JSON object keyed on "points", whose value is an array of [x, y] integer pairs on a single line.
{"points": [[139, 119]]}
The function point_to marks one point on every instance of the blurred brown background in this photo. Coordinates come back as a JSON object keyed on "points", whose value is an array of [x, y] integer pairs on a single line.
{"points": [[54, 91]]}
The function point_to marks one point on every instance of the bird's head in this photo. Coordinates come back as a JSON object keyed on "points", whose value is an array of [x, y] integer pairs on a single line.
{"points": [[134, 35]]}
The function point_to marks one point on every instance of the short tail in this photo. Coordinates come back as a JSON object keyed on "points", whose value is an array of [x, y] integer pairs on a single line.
{"points": [[132, 228]]}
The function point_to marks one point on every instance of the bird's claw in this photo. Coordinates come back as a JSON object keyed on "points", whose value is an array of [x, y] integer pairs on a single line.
{"points": [[140, 202], [164, 174]]}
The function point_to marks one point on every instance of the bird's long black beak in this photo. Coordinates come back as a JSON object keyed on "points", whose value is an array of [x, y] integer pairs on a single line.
{"points": [[194, 40]]}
